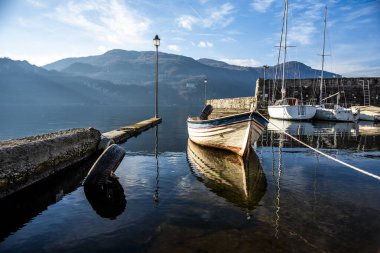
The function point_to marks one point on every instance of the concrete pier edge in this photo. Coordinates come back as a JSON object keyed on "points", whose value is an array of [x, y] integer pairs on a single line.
{"points": [[26, 161]]}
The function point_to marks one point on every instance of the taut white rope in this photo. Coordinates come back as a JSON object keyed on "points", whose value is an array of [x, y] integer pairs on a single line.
{"points": [[326, 155]]}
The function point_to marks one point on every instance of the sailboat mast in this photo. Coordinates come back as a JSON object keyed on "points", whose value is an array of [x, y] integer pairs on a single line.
{"points": [[323, 58], [278, 59], [283, 91]]}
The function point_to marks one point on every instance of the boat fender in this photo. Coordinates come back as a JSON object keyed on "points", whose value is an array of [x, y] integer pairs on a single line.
{"points": [[105, 166], [206, 112], [105, 142], [109, 201]]}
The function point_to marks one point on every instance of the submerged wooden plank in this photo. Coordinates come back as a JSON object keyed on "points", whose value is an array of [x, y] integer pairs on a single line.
{"points": [[370, 113], [124, 133]]}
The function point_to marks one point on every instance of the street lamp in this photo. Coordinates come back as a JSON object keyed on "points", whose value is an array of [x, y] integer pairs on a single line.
{"points": [[265, 67], [205, 82], [156, 43]]}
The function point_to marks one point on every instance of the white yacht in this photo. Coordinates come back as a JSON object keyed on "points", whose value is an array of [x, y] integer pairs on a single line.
{"points": [[331, 111], [289, 108]]}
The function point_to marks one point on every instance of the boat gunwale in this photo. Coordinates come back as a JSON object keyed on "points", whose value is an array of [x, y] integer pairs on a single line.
{"points": [[199, 121]]}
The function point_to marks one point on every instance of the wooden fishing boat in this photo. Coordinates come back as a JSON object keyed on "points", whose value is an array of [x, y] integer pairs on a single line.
{"points": [[240, 181], [233, 132]]}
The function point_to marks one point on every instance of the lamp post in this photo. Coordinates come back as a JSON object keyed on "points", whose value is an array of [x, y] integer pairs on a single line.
{"points": [[265, 67], [156, 43], [205, 82]]}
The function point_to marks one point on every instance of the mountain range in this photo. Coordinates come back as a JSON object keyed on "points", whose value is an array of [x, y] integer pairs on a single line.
{"points": [[128, 77]]}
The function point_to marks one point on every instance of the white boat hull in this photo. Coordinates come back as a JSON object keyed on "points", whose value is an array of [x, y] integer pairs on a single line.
{"points": [[232, 133], [292, 112], [337, 114], [238, 180]]}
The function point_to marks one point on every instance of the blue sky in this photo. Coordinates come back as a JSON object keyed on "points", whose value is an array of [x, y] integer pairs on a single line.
{"points": [[238, 32]]}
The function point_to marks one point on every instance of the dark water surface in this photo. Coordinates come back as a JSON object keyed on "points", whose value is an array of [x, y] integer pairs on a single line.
{"points": [[174, 196]]}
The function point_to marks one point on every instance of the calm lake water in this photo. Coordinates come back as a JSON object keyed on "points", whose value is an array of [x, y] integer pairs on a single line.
{"points": [[174, 196]]}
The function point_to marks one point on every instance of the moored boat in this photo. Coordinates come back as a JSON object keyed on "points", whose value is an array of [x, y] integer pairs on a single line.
{"points": [[239, 181], [291, 109], [288, 108], [330, 111], [233, 132], [335, 112]]}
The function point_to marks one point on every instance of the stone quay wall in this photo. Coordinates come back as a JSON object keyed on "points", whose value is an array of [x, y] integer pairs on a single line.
{"points": [[28, 160], [352, 90], [242, 103]]}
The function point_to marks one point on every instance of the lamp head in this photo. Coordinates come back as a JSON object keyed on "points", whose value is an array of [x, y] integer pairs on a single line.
{"points": [[156, 40]]}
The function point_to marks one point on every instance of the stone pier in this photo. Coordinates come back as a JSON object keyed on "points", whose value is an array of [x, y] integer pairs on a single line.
{"points": [[28, 160], [228, 106], [352, 90]]}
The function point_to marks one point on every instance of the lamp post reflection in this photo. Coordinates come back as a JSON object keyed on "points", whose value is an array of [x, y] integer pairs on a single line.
{"points": [[156, 195], [277, 204]]}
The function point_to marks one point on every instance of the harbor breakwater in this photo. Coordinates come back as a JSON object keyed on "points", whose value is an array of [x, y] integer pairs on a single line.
{"points": [[354, 91], [26, 161]]}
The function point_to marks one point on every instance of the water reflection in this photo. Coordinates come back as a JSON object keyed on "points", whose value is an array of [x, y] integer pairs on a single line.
{"points": [[241, 182], [156, 195], [277, 179], [20, 207], [362, 136], [108, 200], [314, 127]]}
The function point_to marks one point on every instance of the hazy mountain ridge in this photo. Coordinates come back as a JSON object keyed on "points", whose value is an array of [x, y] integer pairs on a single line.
{"points": [[23, 83], [128, 77], [293, 69]]}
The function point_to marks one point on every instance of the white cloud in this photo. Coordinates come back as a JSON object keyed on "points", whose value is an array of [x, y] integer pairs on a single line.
{"points": [[355, 70], [242, 62], [228, 39], [187, 21], [205, 44], [23, 22], [303, 27], [261, 5], [345, 8], [110, 21], [359, 13], [174, 48], [37, 59], [36, 3], [102, 49], [302, 33], [220, 17]]}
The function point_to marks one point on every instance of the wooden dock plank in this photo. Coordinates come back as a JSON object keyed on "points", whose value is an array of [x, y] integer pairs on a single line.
{"points": [[369, 113], [124, 133]]}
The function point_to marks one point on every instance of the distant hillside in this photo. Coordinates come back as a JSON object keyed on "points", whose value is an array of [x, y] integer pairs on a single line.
{"points": [[23, 83], [128, 77], [182, 74], [293, 69], [177, 73]]}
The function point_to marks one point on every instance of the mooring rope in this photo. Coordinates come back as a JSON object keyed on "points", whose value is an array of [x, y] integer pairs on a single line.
{"points": [[324, 154]]}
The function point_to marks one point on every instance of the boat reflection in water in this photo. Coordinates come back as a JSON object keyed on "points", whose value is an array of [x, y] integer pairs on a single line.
{"points": [[324, 134], [108, 200], [313, 128], [239, 180]]}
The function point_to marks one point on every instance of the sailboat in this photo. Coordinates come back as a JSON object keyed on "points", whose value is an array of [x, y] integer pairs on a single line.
{"points": [[331, 111], [289, 108]]}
